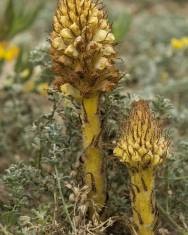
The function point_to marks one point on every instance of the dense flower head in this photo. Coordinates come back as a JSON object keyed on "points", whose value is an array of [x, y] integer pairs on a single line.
{"points": [[82, 47], [142, 143]]}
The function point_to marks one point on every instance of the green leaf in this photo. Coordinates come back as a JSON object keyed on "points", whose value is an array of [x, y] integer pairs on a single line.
{"points": [[24, 19], [18, 65], [8, 20], [121, 26], [22, 63]]}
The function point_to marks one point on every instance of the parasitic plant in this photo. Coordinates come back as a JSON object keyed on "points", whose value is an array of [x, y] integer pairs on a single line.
{"points": [[142, 147], [83, 56]]}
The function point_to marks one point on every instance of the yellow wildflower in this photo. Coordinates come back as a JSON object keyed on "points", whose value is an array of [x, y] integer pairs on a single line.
{"points": [[179, 43], [29, 86], [11, 53], [25, 73], [185, 41], [164, 76], [43, 88], [8, 52], [175, 43], [2, 52]]}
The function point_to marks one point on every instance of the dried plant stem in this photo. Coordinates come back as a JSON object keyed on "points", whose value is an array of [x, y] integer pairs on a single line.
{"points": [[143, 203], [63, 199], [93, 156], [170, 219]]}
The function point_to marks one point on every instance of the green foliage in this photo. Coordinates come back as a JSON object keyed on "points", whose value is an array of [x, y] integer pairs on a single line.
{"points": [[121, 26], [16, 19], [57, 137], [40, 57], [16, 116]]}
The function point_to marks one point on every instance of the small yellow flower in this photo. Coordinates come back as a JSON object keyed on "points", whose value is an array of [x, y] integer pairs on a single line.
{"points": [[3, 46], [185, 41], [2, 52], [29, 86], [164, 76], [43, 88], [179, 43], [175, 43], [24, 74], [8, 52], [12, 53]]}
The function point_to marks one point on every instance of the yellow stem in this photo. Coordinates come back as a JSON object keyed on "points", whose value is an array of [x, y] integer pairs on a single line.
{"points": [[143, 201], [93, 158]]}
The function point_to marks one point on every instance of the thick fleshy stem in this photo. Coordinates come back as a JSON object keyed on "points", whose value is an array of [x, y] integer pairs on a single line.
{"points": [[143, 201], [93, 156]]}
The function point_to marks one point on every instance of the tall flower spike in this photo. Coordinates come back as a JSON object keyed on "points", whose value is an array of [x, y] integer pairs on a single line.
{"points": [[82, 47], [83, 56], [142, 147]]}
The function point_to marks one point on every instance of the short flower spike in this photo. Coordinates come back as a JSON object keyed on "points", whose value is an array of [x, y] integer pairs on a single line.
{"points": [[142, 147], [82, 47]]}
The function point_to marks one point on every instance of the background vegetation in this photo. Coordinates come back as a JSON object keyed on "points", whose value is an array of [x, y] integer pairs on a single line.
{"points": [[39, 133]]}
